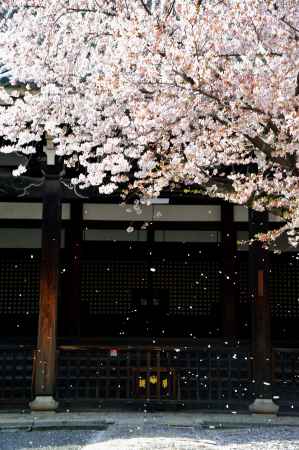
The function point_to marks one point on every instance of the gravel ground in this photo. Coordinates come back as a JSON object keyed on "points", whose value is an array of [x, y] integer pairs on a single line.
{"points": [[148, 437]]}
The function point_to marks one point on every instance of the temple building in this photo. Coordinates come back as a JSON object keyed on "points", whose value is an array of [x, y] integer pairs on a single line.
{"points": [[101, 306]]}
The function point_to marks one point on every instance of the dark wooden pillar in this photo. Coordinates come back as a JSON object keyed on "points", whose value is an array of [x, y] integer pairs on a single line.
{"points": [[45, 363], [74, 237], [229, 246], [259, 263]]}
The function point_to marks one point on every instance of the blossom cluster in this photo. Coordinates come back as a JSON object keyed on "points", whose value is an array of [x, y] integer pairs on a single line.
{"points": [[145, 96]]}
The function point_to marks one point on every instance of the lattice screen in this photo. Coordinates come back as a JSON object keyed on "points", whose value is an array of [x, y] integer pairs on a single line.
{"points": [[284, 287], [108, 286], [242, 276], [15, 373], [194, 287], [286, 375], [19, 284], [208, 377]]}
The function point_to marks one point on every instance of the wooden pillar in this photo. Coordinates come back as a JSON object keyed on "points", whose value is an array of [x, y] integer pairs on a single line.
{"points": [[45, 363], [229, 246], [261, 318], [74, 238]]}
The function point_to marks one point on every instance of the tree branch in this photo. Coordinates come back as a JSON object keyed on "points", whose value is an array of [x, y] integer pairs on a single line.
{"points": [[146, 7], [288, 163]]}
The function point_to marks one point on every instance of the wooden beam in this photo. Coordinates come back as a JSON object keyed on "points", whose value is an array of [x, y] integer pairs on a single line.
{"points": [[259, 265], [45, 363]]}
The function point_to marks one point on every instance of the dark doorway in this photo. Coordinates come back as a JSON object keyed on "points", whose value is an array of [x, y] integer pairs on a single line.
{"points": [[150, 310]]}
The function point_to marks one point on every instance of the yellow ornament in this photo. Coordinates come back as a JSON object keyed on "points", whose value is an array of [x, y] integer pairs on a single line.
{"points": [[153, 379], [141, 383]]}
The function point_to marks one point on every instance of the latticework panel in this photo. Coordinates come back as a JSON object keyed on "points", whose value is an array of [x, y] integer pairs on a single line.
{"points": [[15, 373], [243, 277], [206, 376], [284, 287], [215, 375], [107, 286], [93, 374], [19, 281], [194, 287], [286, 374]]}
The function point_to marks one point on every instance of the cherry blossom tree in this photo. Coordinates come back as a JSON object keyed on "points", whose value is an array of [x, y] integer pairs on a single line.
{"points": [[199, 95]]}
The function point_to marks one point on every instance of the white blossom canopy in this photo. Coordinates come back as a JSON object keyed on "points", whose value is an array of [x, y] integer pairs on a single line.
{"points": [[150, 95]]}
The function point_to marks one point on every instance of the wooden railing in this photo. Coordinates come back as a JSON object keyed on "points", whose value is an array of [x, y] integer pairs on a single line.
{"points": [[205, 376], [209, 375]]}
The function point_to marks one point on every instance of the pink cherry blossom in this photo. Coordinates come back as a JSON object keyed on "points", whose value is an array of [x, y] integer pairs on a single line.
{"points": [[200, 95]]}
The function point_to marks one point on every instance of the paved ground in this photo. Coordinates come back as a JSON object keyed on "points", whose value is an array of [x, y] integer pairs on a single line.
{"points": [[150, 436], [102, 418], [108, 430]]}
